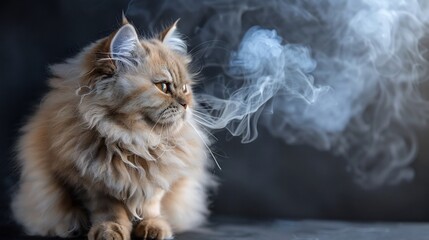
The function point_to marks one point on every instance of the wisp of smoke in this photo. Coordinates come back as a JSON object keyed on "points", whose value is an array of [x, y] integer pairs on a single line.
{"points": [[342, 76]]}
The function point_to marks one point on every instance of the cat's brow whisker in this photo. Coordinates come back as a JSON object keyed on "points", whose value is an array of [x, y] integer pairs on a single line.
{"points": [[123, 60], [196, 49], [116, 54], [88, 72]]}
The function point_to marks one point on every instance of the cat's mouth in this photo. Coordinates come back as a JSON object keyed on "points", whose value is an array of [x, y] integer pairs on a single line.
{"points": [[171, 117], [165, 119]]}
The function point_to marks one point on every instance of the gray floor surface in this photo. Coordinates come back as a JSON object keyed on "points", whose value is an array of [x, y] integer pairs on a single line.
{"points": [[308, 230]]}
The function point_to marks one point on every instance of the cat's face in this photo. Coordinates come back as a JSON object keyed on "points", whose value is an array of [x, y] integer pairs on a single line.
{"points": [[159, 88], [141, 82]]}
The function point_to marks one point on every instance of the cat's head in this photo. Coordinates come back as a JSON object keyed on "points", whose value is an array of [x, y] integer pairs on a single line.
{"points": [[133, 83]]}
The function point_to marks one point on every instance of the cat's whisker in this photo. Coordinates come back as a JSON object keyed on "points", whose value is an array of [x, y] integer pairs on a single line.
{"points": [[205, 114], [167, 149], [161, 132], [202, 114], [202, 120], [202, 123], [151, 130], [208, 132], [205, 144]]}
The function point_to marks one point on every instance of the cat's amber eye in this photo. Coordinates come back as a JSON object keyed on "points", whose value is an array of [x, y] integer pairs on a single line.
{"points": [[162, 86], [185, 88]]}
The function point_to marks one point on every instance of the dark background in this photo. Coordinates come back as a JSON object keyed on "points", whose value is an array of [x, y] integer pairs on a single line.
{"points": [[263, 179]]}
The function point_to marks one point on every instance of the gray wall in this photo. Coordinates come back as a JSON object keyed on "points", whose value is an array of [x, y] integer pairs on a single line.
{"points": [[265, 178]]}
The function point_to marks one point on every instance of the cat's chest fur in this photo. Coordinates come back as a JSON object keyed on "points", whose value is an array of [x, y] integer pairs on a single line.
{"points": [[133, 173]]}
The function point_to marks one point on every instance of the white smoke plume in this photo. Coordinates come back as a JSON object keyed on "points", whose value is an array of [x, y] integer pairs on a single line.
{"points": [[342, 76]]}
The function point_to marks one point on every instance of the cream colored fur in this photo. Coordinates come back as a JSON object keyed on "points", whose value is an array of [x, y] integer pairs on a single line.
{"points": [[109, 152]]}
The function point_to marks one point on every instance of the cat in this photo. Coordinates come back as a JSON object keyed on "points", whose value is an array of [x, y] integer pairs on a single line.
{"points": [[114, 148]]}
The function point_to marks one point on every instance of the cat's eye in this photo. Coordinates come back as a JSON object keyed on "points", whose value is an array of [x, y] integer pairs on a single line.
{"points": [[185, 88], [162, 86]]}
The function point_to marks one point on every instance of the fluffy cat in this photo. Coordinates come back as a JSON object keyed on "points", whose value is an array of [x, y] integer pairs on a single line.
{"points": [[114, 148]]}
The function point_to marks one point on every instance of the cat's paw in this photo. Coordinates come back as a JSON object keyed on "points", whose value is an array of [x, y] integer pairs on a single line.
{"points": [[109, 231], [154, 228]]}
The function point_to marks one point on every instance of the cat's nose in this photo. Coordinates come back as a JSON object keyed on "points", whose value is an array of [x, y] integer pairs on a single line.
{"points": [[182, 102]]}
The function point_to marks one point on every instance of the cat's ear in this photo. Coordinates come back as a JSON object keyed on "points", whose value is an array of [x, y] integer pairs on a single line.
{"points": [[124, 44], [172, 38]]}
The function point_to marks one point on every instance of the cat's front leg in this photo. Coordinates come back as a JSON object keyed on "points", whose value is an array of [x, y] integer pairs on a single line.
{"points": [[153, 225], [110, 220]]}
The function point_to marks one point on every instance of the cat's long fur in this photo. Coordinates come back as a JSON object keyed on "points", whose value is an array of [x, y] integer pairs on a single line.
{"points": [[96, 156]]}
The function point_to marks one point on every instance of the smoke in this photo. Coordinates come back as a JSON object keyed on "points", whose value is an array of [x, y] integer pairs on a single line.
{"points": [[342, 76]]}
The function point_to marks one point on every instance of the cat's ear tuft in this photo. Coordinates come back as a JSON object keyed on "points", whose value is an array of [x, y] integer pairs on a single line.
{"points": [[124, 45], [124, 19], [173, 39]]}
